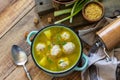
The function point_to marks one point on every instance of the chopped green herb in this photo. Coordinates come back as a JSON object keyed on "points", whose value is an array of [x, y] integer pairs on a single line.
{"points": [[60, 62], [49, 60], [58, 39], [49, 47], [63, 43]]}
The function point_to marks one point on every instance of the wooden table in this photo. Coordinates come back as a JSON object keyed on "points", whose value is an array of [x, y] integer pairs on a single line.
{"points": [[15, 20]]}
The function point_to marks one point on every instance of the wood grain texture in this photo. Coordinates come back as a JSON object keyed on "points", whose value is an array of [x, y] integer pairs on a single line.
{"points": [[4, 4], [8, 71], [12, 14], [73, 76]]}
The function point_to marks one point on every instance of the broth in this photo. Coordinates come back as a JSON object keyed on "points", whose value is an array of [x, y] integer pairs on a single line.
{"points": [[51, 42]]}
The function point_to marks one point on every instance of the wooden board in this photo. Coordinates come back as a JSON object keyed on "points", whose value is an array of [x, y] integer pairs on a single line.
{"points": [[8, 70], [12, 14], [4, 4]]}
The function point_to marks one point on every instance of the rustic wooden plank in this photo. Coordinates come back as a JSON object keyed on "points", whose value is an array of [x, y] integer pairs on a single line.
{"points": [[35, 73], [4, 4], [8, 71], [76, 75], [15, 36], [12, 14], [78, 20]]}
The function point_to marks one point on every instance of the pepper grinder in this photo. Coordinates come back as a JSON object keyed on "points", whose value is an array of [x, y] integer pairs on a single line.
{"points": [[110, 34]]}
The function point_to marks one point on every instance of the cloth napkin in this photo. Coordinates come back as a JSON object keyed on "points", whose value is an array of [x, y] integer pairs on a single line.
{"points": [[100, 67], [90, 31]]}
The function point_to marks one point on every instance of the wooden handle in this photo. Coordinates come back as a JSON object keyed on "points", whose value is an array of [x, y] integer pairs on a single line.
{"points": [[110, 34]]}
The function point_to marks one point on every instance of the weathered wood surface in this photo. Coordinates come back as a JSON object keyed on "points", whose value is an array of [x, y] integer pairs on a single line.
{"points": [[8, 71], [15, 20], [4, 4], [13, 13]]}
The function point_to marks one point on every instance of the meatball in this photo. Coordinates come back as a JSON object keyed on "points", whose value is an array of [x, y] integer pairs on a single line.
{"points": [[68, 47], [65, 35], [63, 62], [56, 51], [40, 46]]}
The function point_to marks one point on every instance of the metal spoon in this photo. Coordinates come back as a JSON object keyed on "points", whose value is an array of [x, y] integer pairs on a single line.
{"points": [[20, 58]]}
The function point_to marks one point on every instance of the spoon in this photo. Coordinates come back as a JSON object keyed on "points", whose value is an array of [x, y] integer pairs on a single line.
{"points": [[20, 58]]}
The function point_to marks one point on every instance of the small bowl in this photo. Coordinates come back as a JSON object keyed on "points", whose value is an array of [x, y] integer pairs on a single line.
{"points": [[64, 2], [88, 6]]}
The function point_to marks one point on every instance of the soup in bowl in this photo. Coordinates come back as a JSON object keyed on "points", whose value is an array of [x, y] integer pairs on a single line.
{"points": [[57, 50]]}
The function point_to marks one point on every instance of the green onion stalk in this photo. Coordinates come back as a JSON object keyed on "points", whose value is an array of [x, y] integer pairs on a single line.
{"points": [[61, 12], [75, 11]]}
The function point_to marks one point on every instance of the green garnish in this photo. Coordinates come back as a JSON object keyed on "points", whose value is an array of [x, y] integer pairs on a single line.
{"points": [[61, 12], [63, 43], [60, 62], [49, 60], [77, 9], [58, 39], [49, 47], [73, 9]]}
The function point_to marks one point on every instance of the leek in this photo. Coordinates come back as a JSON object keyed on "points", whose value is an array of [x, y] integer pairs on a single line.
{"points": [[74, 6], [76, 11], [61, 12]]}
